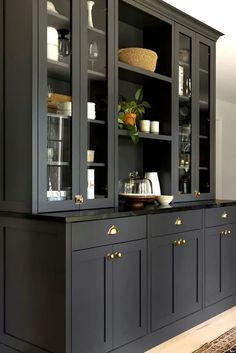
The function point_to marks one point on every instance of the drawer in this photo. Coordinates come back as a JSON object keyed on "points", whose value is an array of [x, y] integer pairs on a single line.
{"points": [[175, 222], [220, 216], [110, 231]]}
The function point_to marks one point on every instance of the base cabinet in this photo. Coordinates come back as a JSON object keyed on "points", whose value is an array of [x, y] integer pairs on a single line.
{"points": [[176, 277], [109, 301], [220, 262]]}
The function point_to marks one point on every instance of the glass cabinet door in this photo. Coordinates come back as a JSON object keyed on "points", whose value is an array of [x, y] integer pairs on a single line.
{"points": [[205, 111], [185, 118], [97, 110]]}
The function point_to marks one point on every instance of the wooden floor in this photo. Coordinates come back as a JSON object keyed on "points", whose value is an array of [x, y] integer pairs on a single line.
{"points": [[192, 339]]}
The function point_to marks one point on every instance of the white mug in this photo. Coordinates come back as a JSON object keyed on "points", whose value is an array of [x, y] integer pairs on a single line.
{"points": [[153, 176], [144, 125], [155, 127]]}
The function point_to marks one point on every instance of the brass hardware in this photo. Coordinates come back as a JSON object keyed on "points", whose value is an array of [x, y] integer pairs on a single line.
{"points": [[183, 241], [110, 256], [226, 232], [229, 232], [118, 255], [197, 193], [178, 221], [224, 215], [178, 242], [79, 199], [113, 230]]}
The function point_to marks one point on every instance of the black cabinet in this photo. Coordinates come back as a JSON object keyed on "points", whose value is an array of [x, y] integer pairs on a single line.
{"points": [[109, 300], [220, 260], [176, 276]]}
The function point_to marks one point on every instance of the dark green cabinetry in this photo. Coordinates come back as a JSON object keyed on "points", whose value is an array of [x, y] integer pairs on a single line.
{"points": [[176, 275], [109, 296], [220, 262]]}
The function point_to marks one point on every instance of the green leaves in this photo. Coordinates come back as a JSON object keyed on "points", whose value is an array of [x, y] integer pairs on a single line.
{"points": [[136, 106]]}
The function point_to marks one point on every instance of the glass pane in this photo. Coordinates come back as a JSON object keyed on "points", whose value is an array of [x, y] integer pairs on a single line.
{"points": [[185, 118], [204, 119], [97, 105], [59, 117]]}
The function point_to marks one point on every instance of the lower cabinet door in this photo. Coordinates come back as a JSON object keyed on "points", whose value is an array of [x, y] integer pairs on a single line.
{"points": [[176, 277], [92, 301], [229, 261], [129, 292], [213, 270], [220, 263]]}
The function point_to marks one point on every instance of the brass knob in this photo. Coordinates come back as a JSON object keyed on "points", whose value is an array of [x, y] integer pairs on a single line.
{"points": [[183, 241], [224, 215], [197, 193], [79, 199], [229, 232], [178, 221], [113, 230], [118, 255], [177, 242], [226, 232], [110, 256]]}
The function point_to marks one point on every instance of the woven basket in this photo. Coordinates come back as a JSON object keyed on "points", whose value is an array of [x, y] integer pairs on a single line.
{"points": [[144, 58]]}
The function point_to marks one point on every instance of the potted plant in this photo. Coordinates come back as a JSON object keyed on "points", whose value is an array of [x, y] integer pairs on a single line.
{"points": [[130, 112]]}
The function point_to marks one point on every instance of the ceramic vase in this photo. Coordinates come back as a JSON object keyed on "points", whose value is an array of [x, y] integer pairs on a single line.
{"points": [[90, 5]]}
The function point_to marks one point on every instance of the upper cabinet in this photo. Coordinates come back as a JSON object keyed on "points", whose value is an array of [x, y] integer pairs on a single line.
{"points": [[76, 105], [65, 78], [194, 116]]}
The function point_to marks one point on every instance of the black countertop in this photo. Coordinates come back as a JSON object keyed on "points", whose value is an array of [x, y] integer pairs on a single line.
{"points": [[106, 213]]}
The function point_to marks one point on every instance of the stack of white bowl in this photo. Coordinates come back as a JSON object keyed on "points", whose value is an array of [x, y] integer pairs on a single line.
{"points": [[91, 111], [52, 43]]}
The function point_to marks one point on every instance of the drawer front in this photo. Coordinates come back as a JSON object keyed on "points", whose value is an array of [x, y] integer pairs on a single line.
{"points": [[109, 231], [220, 216], [175, 222]]}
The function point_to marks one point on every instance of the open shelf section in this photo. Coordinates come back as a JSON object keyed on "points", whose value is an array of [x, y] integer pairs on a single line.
{"points": [[144, 135], [94, 121], [58, 21], [141, 71], [58, 70]]}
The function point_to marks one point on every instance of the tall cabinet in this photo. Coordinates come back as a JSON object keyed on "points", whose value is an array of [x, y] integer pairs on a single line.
{"points": [[61, 81]]}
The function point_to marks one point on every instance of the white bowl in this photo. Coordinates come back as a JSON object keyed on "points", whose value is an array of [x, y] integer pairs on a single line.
{"points": [[51, 7], [164, 200]]}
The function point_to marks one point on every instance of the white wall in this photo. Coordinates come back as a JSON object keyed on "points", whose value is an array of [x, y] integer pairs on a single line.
{"points": [[221, 15], [226, 150]]}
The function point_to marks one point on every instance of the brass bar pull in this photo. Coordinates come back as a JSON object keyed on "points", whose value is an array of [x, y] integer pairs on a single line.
{"points": [[110, 256], [113, 230], [118, 255], [178, 221], [224, 215], [79, 199]]}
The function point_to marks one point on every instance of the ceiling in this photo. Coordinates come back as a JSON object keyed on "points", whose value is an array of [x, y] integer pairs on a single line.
{"points": [[220, 15]]}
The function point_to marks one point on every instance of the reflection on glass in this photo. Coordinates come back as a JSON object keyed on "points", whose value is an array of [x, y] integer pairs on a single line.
{"points": [[63, 44], [185, 118], [93, 53], [204, 119]]}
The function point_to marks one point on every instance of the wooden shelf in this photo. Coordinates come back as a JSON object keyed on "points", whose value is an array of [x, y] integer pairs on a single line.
{"points": [[204, 168], [203, 137], [59, 116], [144, 72], [184, 98], [202, 71], [58, 21], [146, 135], [184, 64], [58, 164], [90, 164], [94, 121], [58, 70], [97, 31], [97, 76]]}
